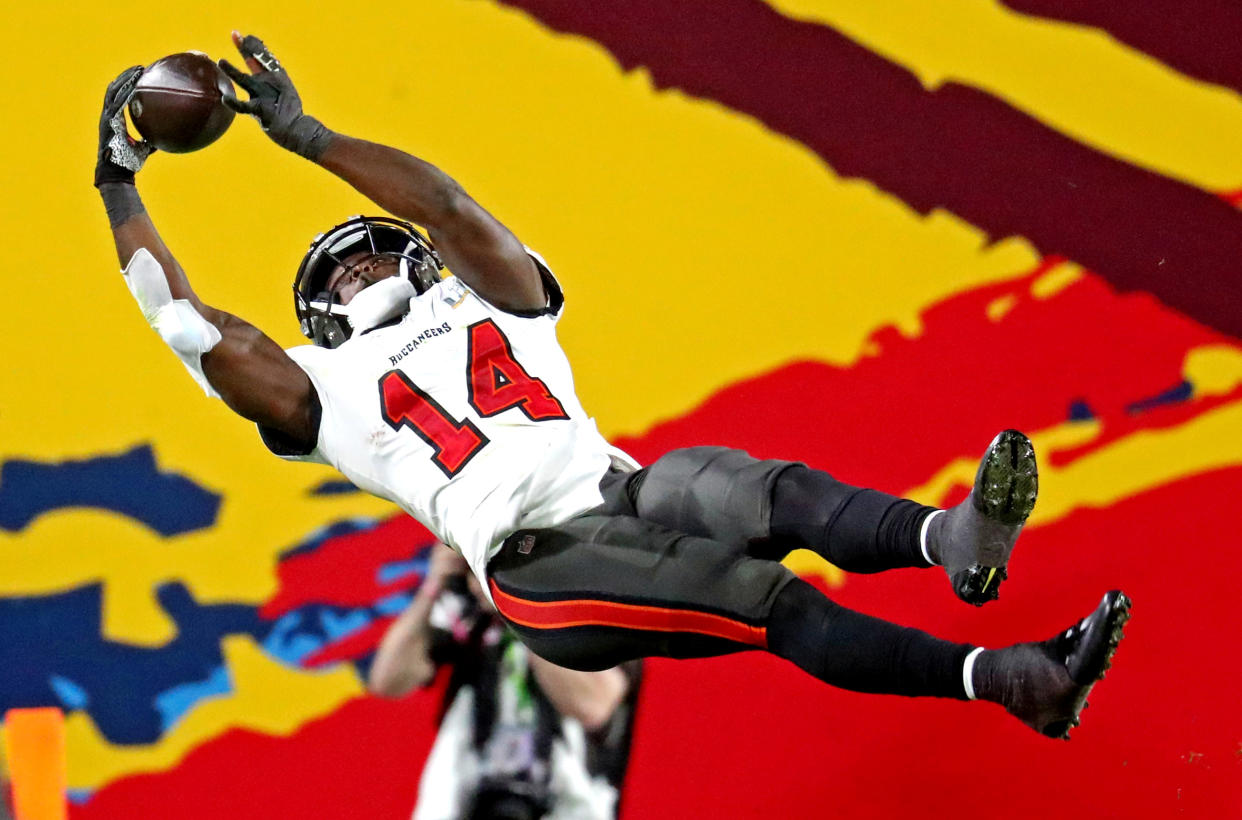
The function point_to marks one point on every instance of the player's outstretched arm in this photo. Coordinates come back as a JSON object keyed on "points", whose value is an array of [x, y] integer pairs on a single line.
{"points": [[472, 243], [227, 355]]}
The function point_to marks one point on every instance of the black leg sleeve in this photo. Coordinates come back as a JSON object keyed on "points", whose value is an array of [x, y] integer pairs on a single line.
{"points": [[854, 651], [858, 530]]}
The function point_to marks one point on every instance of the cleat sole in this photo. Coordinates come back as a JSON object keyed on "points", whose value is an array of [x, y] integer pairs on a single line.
{"points": [[1091, 646], [1007, 481], [1006, 486]]}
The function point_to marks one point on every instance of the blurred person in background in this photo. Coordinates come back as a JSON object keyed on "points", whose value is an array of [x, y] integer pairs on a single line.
{"points": [[519, 737]]}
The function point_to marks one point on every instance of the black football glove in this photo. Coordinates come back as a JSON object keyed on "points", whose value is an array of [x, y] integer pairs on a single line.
{"points": [[120, 155], [274, 102]]}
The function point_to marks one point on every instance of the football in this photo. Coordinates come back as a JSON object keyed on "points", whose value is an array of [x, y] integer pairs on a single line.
{"points": [[178, 104]]}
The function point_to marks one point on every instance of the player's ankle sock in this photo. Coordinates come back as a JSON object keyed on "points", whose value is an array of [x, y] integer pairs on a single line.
{"points": [[968, 672], [857, 530], [857, 652], [925, 541]]}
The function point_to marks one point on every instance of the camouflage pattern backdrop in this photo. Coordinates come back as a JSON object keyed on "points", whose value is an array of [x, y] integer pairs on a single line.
{"points": [[867, 235]]}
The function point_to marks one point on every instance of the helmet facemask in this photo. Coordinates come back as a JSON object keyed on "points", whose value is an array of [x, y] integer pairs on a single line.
{"points": [[323, 319]]}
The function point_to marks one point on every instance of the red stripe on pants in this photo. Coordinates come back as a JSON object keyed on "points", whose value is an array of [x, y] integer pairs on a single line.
{"points": [[586, 612]]}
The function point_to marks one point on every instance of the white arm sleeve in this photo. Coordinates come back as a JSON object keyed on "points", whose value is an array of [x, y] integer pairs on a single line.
{"points": [[180, 326]]}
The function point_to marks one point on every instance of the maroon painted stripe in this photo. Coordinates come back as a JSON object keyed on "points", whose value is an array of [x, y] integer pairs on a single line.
{"points": [[955, 148], [1197, 37]]}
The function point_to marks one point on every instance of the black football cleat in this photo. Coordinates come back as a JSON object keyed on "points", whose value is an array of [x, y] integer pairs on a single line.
{"points": [[973, 540], [1045, 685]]}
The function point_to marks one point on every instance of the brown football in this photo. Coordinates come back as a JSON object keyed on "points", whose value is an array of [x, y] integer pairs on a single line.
{"points": [[178, 104]]}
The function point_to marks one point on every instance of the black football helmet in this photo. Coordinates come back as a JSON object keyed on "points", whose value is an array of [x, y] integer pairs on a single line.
{"points": [[322, 318]]}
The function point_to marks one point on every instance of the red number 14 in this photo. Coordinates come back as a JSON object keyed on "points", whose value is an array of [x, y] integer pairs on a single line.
{"points": [[496, 382]]}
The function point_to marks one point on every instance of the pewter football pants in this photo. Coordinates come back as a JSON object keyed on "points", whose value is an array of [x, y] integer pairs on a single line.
{"points": [[682, 561]]}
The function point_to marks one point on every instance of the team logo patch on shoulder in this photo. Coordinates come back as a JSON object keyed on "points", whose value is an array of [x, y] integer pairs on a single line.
{"points": [[413, 344]]}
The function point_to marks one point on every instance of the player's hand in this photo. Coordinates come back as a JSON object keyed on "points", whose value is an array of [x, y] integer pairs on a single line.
{"points": [[120, 155], [274, 102]]}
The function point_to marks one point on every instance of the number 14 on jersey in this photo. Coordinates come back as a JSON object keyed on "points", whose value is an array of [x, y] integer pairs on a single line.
{"points": [[495, 382]]}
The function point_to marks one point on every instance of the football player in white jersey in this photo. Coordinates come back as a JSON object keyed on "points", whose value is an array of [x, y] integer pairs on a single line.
{"points": [[452, 398]]}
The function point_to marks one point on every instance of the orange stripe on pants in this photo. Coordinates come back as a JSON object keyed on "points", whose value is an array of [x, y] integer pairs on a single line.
{"points": [[586, 612]]}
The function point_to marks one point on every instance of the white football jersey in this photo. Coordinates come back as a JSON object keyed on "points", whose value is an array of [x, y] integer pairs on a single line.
{"points": [[464, 415]]}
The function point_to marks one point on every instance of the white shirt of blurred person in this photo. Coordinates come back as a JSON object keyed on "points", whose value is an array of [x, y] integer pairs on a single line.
{"points": [[521, 737]]}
